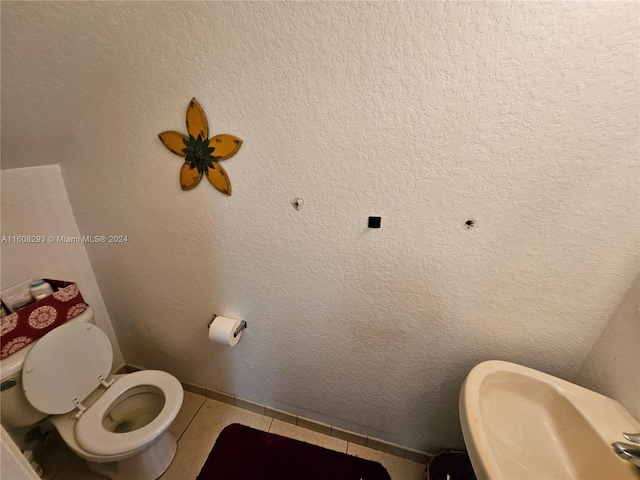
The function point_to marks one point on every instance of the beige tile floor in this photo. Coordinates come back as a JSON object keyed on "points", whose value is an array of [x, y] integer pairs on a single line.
{"points": [[197, 427]]}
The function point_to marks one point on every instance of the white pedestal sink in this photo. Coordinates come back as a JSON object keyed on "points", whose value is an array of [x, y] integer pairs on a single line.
{"points": [[522, 424]]}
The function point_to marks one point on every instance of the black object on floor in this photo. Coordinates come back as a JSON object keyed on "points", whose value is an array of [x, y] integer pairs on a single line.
{"points": [[244, 453], [453, 464]]}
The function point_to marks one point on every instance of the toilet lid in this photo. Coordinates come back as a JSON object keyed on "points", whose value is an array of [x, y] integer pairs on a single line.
{"points": [[65, 365]]}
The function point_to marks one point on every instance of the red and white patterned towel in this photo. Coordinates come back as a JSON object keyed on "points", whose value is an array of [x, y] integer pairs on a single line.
{"points": [[34, 321]]}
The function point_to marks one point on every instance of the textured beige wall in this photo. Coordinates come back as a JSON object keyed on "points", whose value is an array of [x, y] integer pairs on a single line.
{"points": [[523, 116], [613, 365]]}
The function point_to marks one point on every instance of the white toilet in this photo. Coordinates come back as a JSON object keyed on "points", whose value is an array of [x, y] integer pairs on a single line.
{"points": [[119, 424]]}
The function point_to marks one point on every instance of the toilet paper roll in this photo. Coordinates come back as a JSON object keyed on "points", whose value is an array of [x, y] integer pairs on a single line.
{"points": [[221, 331]]}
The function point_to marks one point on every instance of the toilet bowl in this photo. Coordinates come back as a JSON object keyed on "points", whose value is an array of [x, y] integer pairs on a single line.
{"points": [[130, 414], [119, 424]]}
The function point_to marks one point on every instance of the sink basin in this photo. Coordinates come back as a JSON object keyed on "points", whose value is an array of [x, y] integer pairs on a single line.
{"points": [[519, 423]]}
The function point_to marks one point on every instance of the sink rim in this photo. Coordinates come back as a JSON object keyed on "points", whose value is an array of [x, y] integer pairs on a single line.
{"points": [[587, 403]]}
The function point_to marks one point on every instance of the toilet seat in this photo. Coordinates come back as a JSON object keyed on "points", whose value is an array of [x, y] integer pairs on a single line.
{"points": [[65, 366], [95, 438]]}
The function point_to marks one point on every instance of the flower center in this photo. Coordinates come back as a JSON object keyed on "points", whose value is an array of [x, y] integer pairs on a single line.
{"points": [[198, 153]]}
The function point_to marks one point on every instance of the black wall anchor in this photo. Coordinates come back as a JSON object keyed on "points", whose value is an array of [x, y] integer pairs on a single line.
{"points": [[374, 222]]}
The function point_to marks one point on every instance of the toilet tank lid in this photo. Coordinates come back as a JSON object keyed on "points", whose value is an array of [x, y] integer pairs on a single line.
{"points": [[12, 365], [66, 365]]}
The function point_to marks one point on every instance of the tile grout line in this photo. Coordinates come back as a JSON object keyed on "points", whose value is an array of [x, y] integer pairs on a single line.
{"points": [[191, 420], [270, 425], [61, 468]]}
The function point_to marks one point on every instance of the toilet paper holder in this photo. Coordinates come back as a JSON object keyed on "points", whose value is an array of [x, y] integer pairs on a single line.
{"points": [[243, 325]]}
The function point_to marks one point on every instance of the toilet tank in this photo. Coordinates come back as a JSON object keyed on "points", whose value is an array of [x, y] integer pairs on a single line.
{"points": [[16, 410]]}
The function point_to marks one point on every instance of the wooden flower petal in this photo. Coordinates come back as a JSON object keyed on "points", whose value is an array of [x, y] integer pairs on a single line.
{"points": [[225, 146], [219, 179], [189, 177], [174, 141], [196, 121]]}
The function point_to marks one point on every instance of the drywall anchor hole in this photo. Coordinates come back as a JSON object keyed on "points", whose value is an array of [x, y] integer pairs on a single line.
{"points": [[469, 224], [298, 203]]}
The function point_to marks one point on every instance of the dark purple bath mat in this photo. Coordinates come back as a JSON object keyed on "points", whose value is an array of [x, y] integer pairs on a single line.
{"points": [[243, 453]]}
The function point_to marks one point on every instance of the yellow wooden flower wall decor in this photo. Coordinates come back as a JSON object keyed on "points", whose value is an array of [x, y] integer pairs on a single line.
{"points": [[201, 153]]}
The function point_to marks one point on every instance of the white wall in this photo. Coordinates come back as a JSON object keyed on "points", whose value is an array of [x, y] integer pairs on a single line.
{"points": [[612, 365], [35, 203], [523, 116], [13, 464]]}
